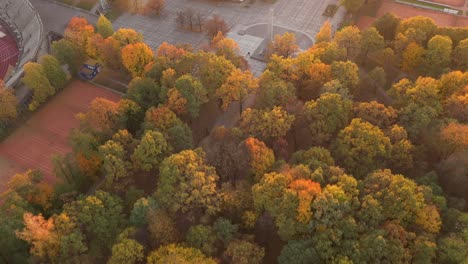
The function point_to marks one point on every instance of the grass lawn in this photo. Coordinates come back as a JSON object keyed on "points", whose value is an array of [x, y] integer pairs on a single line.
{"points": [[431, 5]]}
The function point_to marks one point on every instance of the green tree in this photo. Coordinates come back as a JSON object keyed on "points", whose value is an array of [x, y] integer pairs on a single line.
{"points": [[326, 116], [203, 238], [114, 166], [174, 254], [347, 73], [127, 251], [141, 210], [335, 87], [55, 74], [36, 79], [331, 52], [145, 92], [333, 225], [378, 77], [361, 148], [264, 124], [180, 137], [130, 115], [401, 198], [13, 249], [68, 53], [421, 105], [438, 55], [460, 55], [225, 230], [212, 71], [245, 252], [350, 39], [104, 27], [274, 91], [387, 25], [314, 158], [150, 152], [187, 184], [352, 6], [298, 252], [371, 41], [193, 91], [100, 216]]}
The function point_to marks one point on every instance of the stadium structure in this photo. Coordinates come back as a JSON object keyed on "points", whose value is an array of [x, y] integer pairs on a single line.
{"points": [[21, 35]]}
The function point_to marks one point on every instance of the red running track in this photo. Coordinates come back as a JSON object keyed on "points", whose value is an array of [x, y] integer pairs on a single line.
{"points": [[9, 52], [46, 133]]}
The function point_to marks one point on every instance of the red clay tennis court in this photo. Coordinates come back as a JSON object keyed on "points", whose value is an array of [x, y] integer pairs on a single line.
{"points": [[406, 11], [46, 133]]}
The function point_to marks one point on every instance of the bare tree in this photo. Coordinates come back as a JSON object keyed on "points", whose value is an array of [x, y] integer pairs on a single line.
{"points": [[189, 16], [180, 19], [215, 25], [199, 18], [154, 6]]}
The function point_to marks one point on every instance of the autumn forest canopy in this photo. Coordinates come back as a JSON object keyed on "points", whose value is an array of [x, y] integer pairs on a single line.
{"points": [[353, 151]]}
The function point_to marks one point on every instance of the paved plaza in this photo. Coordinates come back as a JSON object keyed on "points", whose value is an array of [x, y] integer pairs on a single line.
{"points": [[295, 15], [299, 15]]}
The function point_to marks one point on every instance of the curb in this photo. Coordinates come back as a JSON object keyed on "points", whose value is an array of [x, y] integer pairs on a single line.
{"points": [[72, 7], [105, 87]]}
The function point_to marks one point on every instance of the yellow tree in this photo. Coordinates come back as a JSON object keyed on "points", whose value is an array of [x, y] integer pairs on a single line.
{"points": [[325, 33], [8, 102], [39, 233], [284, 45], [266, 124], [135, 57], [412, 58], [104, 27], [78, 31], [349, 38], [238, 85], [438, 55], [127, 36], [228, 48], [36, 79]]}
